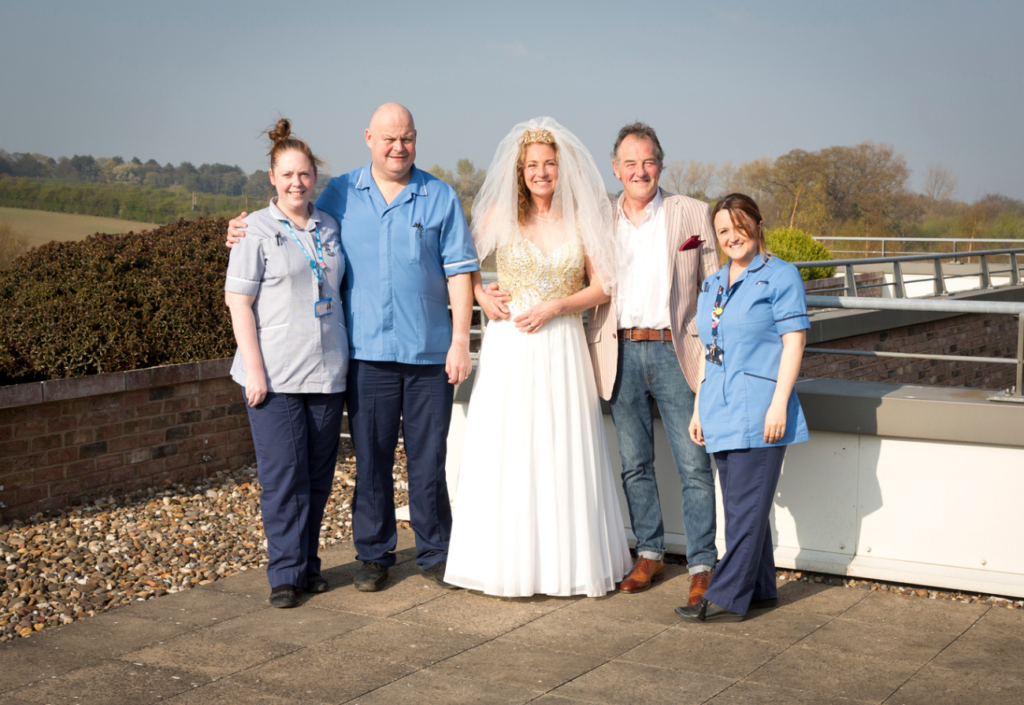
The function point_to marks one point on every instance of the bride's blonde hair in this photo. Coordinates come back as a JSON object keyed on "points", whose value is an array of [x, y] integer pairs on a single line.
{"points": [[537, 135]]}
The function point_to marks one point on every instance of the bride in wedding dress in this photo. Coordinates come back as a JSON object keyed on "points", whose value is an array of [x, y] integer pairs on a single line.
{"points": [[536, 511]]}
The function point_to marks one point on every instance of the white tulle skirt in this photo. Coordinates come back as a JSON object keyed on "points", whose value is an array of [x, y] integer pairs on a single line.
{"points": [[536, 511]]}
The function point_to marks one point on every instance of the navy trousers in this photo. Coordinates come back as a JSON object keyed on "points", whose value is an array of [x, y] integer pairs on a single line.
{"points": [[747, 571], [296, 440], [379, 395]]}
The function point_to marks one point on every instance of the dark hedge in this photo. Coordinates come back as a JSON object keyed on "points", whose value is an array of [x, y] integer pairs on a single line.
{"points": [[113, 303]]}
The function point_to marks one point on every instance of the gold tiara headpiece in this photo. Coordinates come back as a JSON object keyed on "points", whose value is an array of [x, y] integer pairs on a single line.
{"points": [[537, 135]]}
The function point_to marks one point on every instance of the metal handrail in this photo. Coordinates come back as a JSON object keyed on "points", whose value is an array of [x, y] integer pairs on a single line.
{"points": [[933, 306], [898, 284]]}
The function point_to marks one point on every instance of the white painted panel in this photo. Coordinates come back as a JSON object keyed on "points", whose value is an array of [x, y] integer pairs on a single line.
{"points": [[950, 504], [816, 501]]}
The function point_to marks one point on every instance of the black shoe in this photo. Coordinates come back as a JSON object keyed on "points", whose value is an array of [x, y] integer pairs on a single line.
{"points": [[705, 611], [764, 604], [316, 583], [371, 577], [284, 596], [436, 573]]}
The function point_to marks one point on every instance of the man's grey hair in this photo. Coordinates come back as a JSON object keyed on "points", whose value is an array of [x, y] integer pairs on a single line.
{"points": [[639, 130]]}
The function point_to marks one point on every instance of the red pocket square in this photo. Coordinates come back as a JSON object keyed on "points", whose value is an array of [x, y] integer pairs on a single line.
{"points": [[691, 243]]}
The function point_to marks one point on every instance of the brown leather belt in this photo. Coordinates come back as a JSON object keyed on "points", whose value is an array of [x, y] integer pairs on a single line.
{"points": [[659, 334]]}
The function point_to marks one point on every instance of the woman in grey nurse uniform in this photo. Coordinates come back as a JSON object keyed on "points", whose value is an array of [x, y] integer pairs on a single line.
{"points": [[283, 290]]}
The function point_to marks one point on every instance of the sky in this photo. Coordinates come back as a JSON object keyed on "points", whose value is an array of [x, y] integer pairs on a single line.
{"points": [[943, 82]]}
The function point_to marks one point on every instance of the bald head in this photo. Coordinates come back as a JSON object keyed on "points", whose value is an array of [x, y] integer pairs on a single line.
{"points": [[390, 113], [391, 138]]}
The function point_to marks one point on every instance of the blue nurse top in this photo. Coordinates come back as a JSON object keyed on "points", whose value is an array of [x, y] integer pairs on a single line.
{"points": [[398, 257], [766, 301]]}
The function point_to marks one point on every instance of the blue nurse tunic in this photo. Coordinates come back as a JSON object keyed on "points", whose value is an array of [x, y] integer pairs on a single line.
{"points": [[766, 301]]}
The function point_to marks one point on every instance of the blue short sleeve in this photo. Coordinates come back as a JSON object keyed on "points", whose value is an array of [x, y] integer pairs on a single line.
{"points": [[329, 201], [789, 300], [458, 254]]}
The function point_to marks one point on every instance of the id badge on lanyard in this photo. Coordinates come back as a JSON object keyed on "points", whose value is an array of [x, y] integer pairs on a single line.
{"points": [[713, 353], [324, 306]]}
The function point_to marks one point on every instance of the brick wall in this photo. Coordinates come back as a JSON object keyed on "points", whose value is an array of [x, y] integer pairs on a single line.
{"points": [[974, 334], [836, 286], [77, 439]]}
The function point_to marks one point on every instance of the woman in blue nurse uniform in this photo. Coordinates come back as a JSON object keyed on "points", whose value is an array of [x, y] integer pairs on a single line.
{"points": [[752, 320]]}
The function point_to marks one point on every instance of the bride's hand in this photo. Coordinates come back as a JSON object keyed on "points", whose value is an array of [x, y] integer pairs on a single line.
{"points": [[492, 301], [534, 319]]}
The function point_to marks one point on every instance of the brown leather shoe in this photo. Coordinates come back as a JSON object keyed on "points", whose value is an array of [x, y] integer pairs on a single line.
{"points": [[698, 585], [642, 575]]}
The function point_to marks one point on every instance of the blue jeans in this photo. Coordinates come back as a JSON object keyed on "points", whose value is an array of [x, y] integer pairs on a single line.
{"points": [[649, 371]]}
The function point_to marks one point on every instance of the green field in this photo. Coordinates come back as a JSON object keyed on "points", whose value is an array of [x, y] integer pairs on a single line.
{"points": [[41, 227]]}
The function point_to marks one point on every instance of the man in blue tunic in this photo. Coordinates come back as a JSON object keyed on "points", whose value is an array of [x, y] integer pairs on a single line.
{"points": [[408, 252]]}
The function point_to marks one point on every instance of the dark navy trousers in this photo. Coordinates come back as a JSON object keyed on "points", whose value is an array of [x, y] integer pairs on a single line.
{"points": [[747, 571], [296, 440], [380, 394]]}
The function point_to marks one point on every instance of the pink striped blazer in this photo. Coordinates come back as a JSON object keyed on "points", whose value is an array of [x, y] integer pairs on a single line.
{"points": [[684, 217]]}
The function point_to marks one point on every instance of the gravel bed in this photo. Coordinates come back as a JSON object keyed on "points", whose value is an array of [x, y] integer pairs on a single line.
{"points": [[96, 557]]}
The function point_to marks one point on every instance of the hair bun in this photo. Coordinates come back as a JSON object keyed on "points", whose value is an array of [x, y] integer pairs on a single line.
{"points": [[281, 131]]}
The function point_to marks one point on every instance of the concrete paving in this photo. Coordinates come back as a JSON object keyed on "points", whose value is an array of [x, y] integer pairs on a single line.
{"points": [[415, 643]]}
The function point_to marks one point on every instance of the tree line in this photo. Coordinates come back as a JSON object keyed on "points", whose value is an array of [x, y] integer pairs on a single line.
{"points": [[216, 179], [841, 191]]}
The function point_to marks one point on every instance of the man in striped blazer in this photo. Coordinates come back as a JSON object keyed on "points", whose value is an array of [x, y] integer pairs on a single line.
{"points": [[644, 347]]}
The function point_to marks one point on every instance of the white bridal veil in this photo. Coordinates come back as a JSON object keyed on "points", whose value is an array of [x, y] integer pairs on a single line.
{"points": [[580, 199]]}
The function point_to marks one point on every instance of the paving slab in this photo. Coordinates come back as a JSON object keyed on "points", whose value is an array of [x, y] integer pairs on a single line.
{"points": [[855, 677], [993, 645], [413, 644], [303, 626], [654, 605], [874, 638], [197, 608], [405, 588], [782, 627], [430, 688], [505, 662], [916, 612], [701, 651], [480, 614], [85, 642], [111, 683], [745, 693], [940, 686], [212, 654], [628, 683], [817, 597], [320, 676], [584, 633], [229, 692]]}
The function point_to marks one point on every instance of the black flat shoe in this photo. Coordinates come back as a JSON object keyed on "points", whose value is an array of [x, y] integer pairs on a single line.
{"points": [[371, 577], [764, 604], [436, 573], [316, 583], [284, 596], [705, 611]]}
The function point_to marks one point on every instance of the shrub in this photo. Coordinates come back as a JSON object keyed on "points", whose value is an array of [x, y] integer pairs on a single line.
{"points": [[113, 303], [795, 245]]}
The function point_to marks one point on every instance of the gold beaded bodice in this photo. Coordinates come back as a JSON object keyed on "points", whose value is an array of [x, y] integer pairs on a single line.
{"points": [[531, 276]]}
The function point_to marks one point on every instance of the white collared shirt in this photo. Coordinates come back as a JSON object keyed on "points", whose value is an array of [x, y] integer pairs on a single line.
{"points": [[642, 296]]}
